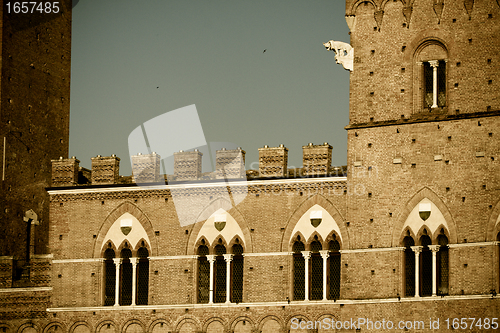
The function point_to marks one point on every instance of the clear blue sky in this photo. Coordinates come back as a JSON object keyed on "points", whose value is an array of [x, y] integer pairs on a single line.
{"points": [[135, 60]]}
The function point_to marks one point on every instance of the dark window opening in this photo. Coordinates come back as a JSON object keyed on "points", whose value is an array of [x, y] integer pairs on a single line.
{"points": [[110, 277], [334, 269], [126, 278], [442, 265], [409, 259], [425, 267], [203, 275], [237, 274], [220, 275], [298, 271], [142, 276], [316, 269]]}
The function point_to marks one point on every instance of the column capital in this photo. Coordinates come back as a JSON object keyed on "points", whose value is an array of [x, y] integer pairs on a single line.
{"points": [[434, 63], [228, 257], [434, 248], [117, 261], [211, 258], [416, 249], [306, 254], [324, 254], [133, 261]]}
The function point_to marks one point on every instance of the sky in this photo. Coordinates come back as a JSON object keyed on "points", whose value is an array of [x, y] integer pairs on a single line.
{"points": [[256, 71]]}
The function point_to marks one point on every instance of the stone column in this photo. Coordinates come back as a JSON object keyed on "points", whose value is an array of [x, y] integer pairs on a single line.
{"points": [[434, 249], [434, 64], [417, 250], [117, 262], [211, 260], [307, 256], [133, 261], [324, 255], [228, 258]]}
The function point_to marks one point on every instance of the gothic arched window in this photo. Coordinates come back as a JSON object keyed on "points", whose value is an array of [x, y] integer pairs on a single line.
{"points": [[126, 278], [409, 268], [110, 277], [142, 276], [298, 271], [237, 274], [220, 274], [334, 269], [316, 271], [425, 267], [203, 275]]}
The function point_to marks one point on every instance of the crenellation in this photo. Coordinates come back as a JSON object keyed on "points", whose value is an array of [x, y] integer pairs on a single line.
{"points": [[187, 165], [65, 171], [317, 159], [146, 168], [273, 162], [230, 164], [105, 170]]}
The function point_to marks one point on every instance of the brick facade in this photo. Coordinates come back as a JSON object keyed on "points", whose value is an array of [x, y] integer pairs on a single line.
{"points": [[414, 172]]}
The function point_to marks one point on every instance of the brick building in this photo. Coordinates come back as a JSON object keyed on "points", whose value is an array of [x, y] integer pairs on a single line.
{"points": [[409, 234]]}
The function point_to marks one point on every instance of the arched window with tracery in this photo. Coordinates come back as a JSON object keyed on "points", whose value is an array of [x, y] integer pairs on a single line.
{"points": [[203, 274], [442, 264], [126, 277], [298, 271], [142, 276], [110, 277], [334, 269], [316, 271], [425, 266], [237, 274], [409, 267], [220, 274]]}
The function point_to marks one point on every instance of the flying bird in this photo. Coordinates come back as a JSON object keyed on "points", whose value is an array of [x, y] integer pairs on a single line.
{"points": [[264, 50]]}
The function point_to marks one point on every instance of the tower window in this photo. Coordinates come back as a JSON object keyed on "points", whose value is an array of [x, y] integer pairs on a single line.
{"points": [[434, 84]]}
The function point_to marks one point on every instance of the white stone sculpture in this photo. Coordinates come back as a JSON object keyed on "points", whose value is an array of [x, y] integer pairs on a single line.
{"points": [[344, 53]]}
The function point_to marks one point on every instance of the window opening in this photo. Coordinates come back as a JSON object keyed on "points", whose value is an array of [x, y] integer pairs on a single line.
{"points": [[298, 271], [334, 269], [203, 275], [426, 266], [110, 278]]}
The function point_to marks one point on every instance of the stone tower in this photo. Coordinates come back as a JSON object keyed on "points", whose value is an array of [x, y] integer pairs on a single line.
{"points": [[34, 117], [424, 120]]}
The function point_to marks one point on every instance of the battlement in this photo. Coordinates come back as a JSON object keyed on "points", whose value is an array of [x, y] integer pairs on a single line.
{"points": [[105, 169], [316, 159], [229, 164]]}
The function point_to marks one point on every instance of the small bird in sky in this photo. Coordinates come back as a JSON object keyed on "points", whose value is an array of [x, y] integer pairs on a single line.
{"points": [[264, 50], [157, 87]]}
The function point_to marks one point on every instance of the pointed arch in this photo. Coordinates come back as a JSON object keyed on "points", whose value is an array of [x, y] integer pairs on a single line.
{"points": [[354, 7], [125, 207], [319, 200], [493, 226], [214, 206], [412, 203]]}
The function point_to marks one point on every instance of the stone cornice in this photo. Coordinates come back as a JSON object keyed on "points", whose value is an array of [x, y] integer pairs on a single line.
{"points": [[271, 186], [423, 119]]}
